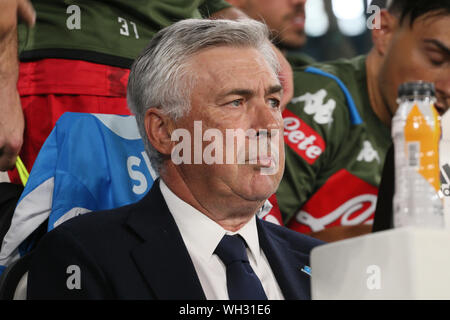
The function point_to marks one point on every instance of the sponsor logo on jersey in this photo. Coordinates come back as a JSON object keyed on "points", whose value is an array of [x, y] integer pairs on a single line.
{"points": [[314, 105], [344, 200], [301, 138], [368, 153]]}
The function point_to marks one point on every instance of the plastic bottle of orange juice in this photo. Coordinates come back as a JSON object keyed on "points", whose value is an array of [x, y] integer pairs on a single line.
{"points": [[416, 132]]}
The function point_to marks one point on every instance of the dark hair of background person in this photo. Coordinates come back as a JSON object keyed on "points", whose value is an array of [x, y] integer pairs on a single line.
{"points": [[349, 46], [417, 8]]}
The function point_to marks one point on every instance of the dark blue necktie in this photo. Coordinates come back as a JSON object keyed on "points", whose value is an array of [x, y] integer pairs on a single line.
{"points": [[242, 282]]}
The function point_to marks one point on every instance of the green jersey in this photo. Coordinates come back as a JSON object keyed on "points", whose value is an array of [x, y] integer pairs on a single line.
{"points": [[109, 32], [335, 151], [298, 59]]}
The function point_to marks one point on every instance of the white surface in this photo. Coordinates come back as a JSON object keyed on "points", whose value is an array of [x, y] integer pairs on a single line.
{"points": [[4, 177], [404, 263], [445, 124], [21, 290], [444, 158]]}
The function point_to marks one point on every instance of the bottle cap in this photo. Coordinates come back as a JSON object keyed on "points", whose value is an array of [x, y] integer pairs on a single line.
{"points": [[416, 88]]}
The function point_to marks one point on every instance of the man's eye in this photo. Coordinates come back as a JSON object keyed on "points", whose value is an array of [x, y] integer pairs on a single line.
{"points": [[436, 59], [436, 62], [236, 103], [274, 103]]}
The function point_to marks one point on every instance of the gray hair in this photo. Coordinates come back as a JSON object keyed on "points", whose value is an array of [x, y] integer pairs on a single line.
{"points": [[160, 76]]}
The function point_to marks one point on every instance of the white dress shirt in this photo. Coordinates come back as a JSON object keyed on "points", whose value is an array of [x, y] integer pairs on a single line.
{"points": [[201, 236]]}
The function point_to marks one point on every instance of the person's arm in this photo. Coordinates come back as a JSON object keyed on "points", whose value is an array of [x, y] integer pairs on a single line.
{"points": [[11, 116], [286, 75]]}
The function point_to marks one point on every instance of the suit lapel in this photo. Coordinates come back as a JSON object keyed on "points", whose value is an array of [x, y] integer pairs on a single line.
{"points": [[163, 258], [286, 264]]}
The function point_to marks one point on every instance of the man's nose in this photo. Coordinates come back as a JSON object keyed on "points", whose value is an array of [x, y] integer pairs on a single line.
{"points": [[443, 87], [443, 84], [266, 120]]}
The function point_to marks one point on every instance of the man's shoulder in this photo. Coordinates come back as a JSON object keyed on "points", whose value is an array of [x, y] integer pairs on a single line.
{"points": [[295, 240], [324, 96], [97, 224], [327, 75], [342, 68], [122, 226]]}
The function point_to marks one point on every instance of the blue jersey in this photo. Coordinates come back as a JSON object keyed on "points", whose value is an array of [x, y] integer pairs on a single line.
{"points": [[89, 162]]}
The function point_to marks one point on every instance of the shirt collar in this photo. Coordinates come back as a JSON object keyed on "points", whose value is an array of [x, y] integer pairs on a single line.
{"points": [[201, 233], [250, 234]]}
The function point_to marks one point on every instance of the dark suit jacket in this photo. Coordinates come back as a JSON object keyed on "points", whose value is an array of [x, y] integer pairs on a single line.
{"points": [[137, 252]]}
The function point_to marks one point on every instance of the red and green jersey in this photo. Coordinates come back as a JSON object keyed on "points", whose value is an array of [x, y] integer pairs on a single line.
{"points": [[111, 32], [335, 148]]}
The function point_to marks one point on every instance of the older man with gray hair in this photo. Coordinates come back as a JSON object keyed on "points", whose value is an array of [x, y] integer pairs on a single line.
{"points": [[195, 235]]}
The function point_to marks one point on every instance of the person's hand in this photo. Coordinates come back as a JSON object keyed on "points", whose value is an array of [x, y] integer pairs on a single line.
{"points": [[11, 116], [11, 127]]}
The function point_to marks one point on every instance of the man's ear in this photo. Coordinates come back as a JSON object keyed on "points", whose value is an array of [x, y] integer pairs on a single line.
{"points": [[159, 127], [382, 36]]}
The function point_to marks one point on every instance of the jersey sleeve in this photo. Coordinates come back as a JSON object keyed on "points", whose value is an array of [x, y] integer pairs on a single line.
{"points": [[212, 6], [316, 124]]}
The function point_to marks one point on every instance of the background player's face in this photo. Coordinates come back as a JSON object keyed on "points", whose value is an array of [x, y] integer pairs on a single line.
{"points": [[286, 18], [418, 52]]}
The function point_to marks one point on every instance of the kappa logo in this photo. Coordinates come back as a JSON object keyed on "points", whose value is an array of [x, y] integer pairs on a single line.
{"points": [[445, 180], [368, 153], [314, 105], [306, 142]]}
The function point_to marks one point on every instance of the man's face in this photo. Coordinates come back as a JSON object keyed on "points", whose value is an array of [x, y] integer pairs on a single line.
{"points": [[234, 88], [420, 52], [286, 18]]}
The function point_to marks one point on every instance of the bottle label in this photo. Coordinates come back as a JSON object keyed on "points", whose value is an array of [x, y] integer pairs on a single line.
{"points": [[422, 144], [413, 154]]}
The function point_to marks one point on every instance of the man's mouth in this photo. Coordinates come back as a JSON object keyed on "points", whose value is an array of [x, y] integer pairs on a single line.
{"points": [[299, 22], [262, 161]]}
